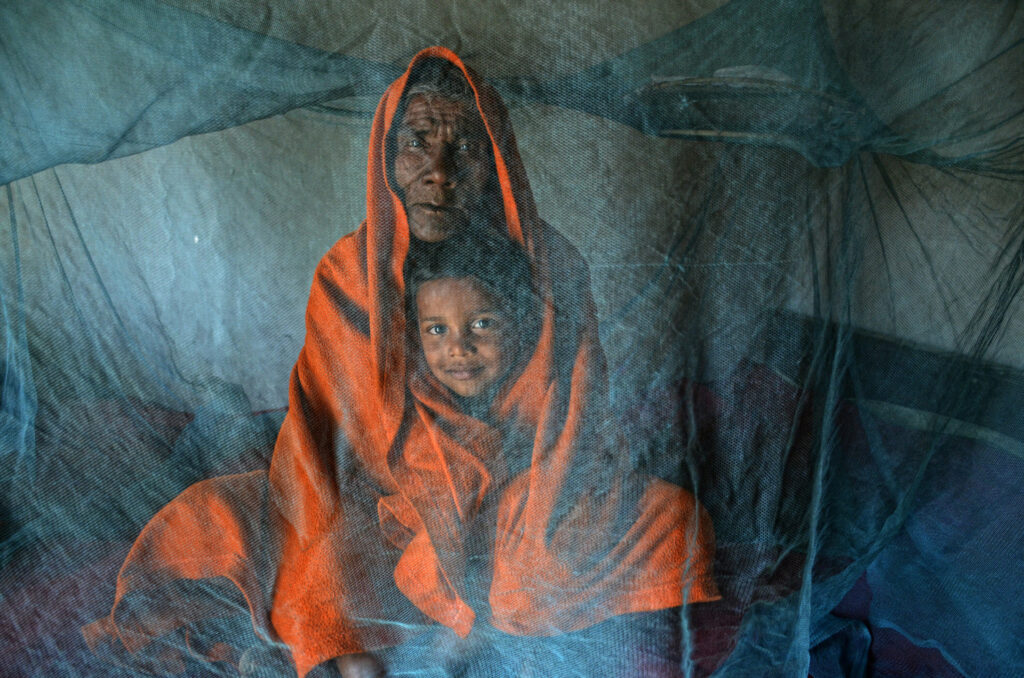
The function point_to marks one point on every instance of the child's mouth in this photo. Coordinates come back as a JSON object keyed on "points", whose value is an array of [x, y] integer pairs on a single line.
{"points": [[464, 373]]}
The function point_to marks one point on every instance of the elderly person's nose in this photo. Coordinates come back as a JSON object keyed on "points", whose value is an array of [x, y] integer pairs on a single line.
{"points": [[441, 169]]}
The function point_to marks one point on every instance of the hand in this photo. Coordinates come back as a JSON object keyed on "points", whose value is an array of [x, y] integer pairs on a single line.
{"points": [[360, 665]]}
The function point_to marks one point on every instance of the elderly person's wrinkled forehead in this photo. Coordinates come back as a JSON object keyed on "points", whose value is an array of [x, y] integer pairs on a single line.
{"points": [[440, 160], [440, 78]]}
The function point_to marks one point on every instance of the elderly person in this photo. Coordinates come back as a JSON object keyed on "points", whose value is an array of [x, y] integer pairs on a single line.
{"points": [[358, 538]]}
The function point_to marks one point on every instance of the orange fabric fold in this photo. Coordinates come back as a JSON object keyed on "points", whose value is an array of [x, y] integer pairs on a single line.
{"points": [[380, 489]]}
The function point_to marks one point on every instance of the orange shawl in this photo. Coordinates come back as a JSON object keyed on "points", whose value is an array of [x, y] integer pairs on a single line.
{"points": [[377, 478]]}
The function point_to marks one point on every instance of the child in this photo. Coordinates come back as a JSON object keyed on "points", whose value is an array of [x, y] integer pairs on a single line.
{"points": [[471, 313], [474, 311]]}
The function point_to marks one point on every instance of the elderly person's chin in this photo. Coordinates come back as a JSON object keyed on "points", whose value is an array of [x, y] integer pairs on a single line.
{"points": [[433, 225]]}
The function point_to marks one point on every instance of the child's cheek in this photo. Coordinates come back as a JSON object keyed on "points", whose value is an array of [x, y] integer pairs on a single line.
{"points": [[431, 351], [509, 350]]}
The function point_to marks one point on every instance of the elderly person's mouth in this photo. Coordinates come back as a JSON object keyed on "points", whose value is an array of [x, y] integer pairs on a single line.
{"points": [[434, 209]]}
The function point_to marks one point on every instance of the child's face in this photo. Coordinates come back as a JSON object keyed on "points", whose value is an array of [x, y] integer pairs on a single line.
{"points": [[465, 334]]}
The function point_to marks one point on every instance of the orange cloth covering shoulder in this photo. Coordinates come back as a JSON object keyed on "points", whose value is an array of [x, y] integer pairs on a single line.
{"points": [[379, 484]]}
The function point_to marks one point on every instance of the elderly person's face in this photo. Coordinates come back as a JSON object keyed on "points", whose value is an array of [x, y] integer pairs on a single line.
{"points": [[442, 165]]}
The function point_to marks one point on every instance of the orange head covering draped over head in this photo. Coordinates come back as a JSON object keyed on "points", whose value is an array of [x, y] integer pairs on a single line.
{"points": [[575, 541], [378, 480]]}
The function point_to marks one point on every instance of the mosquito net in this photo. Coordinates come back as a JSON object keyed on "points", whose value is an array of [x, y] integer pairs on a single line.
{"points": [[802, 223]]}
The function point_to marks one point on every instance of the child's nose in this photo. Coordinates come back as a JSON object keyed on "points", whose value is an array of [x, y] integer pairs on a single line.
{"points": [[460, 345]]}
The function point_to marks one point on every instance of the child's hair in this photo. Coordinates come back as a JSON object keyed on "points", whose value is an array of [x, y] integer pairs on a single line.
{"points": [[497, 262]]}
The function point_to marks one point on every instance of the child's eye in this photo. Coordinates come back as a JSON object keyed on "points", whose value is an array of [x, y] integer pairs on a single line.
{"points": [[484, 324], [435, 330]]}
